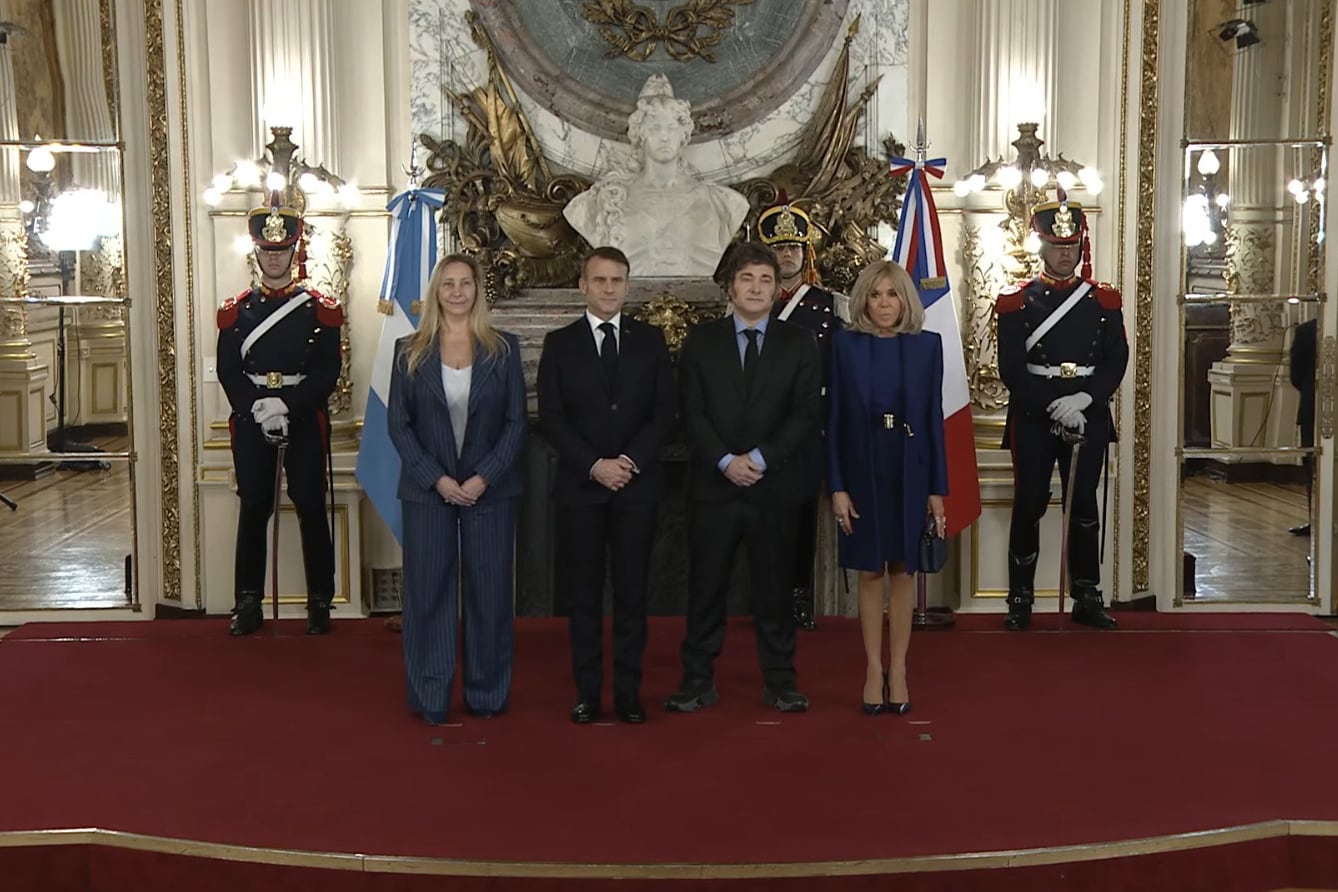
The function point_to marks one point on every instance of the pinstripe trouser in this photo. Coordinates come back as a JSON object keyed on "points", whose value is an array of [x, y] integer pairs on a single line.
{"points": [[443, 543]]}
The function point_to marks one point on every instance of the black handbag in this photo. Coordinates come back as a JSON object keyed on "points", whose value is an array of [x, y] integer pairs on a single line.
{"points": [[933, 548]]}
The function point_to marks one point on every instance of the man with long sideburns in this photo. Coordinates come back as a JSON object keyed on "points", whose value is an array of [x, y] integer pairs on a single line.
{"points": [[606, 404], [278, 361], [750, 401], [788, 231], [1062, 354]]}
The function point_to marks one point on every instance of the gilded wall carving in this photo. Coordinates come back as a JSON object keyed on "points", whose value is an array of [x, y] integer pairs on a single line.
{"points": [[504, 203], [985, 277], [328, 272], [689, 31], [14, 283], [1143, 291]]}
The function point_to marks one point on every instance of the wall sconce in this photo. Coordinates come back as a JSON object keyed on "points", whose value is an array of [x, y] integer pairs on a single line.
{"points": [[1026, 181], [1305, 190], [281, 169]]}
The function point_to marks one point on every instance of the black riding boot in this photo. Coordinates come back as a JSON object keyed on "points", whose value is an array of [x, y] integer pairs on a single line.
{"points": [[1021, 591], [247, 615]]}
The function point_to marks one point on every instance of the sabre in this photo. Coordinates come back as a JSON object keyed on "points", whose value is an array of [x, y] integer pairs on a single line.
{"points": [[1069, 436], [274, 536]]}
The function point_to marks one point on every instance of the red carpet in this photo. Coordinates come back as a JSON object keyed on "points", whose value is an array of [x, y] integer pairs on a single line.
{"points": [[1016, 741]]}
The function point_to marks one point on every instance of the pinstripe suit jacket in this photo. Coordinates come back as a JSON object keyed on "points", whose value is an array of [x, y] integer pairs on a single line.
{"points": [[420, 424]]}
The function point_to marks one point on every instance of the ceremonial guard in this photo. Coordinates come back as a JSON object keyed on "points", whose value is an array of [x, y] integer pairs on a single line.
{"points": [[279, 361], [1062, 354], [789, 231]]}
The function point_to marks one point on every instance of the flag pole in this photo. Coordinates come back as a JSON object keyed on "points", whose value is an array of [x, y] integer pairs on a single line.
{"points": [[923, 619]]}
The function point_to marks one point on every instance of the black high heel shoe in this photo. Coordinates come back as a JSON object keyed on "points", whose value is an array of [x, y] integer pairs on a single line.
{"points": [[889, 706], [877, 708]]}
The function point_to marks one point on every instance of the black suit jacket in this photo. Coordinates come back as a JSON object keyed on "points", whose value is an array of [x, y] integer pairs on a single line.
{"points": [[1303, 374], [778, 414], [585, 420]]}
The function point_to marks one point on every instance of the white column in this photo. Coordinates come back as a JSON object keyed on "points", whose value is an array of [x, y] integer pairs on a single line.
{"points": [[1253, 406], [292, 52], [87, 107], [1016, 54]]}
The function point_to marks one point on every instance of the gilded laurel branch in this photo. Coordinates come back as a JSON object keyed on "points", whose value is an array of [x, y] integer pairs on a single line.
{"points": [[635, 31]]}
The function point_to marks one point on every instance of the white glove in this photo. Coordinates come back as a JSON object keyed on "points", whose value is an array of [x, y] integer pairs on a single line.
{"points": [[1074, 421], [1070, 405], [275, 426], [268, 407]]}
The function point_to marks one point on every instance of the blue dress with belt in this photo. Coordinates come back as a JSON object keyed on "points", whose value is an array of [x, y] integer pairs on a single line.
{"points": [[885, 442], [889, 451]]}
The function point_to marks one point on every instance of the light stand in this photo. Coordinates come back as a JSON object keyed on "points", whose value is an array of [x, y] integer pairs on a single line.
{"points": [[923, 619], [61, 441]]}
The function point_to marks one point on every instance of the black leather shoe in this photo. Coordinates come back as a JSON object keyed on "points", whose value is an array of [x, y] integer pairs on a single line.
{"points": [[803, 610], [631, 712], [1092, 613], [585, 712], [1018, 618], [247, 616], [691, 700], [318, 618], [785, 701]]}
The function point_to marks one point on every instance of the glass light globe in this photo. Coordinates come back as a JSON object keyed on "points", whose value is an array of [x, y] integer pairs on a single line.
{"points": [[961, 188], [1066, 180], [308, 182], [1210, 237], [1008, 176], [1208, 163], [212, 196], [1032, 243], [1302, 197], [247, 174], [1296, 187], [26, 207], [1039, 177], [222, 183], [977, 182], [242, 244], [1318, 186], [41, 160], [275, 181], [1091, 180], [1222, 199]]}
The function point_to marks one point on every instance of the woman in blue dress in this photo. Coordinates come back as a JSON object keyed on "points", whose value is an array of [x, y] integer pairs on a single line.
{"points": [[886, 464]]}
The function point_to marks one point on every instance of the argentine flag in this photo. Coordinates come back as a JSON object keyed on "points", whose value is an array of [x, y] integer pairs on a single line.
{"points": [[410, 257]]}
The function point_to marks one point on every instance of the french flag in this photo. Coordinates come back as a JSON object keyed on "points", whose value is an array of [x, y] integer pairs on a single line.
{"points": [[919, 250], [410, 257]]}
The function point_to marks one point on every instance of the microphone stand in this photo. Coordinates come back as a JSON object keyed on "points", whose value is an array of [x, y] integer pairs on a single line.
{"points": [[61, 440]]}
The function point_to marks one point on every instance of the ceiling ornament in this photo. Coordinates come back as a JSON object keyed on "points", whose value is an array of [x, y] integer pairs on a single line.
{"points": [[634, 31]]}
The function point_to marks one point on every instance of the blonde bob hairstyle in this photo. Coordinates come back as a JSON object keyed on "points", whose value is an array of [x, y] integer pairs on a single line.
{"points": [[421, 342], [912, 311]]}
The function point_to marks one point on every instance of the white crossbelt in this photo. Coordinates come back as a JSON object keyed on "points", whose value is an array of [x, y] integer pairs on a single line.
{"points": [[272, 320], [1060, 312], [793, 302], [1066, 370], [283, 380]]}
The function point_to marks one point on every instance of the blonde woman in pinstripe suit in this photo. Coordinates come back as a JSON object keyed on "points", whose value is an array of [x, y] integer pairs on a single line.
{"points": [[457, 419]]}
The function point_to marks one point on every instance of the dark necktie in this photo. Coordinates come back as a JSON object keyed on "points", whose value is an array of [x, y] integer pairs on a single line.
{"points": [[749, 352], [608, 351]]}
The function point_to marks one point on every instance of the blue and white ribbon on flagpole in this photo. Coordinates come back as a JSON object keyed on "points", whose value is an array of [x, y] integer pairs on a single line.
{"points": [[410, 257]]}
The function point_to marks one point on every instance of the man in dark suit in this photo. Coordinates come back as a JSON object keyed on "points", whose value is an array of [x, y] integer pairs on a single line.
{"points": [[788, 231], [606, 403], [1302, 369], [750, 401]]}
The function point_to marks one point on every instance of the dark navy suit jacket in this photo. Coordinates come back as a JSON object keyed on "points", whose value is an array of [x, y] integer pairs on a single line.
{"points": [[851, 440], [420, 424]]}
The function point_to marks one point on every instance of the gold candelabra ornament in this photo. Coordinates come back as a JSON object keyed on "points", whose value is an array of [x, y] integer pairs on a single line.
{"points": [[1027, 180], [281, 169]]}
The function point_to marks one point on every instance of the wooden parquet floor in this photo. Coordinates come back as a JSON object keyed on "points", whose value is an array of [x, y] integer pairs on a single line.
{"points": [[1238, 534], [66, 544]]}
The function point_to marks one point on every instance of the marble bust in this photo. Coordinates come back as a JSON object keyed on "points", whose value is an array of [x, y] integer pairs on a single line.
{"points": [[653, 205]]}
